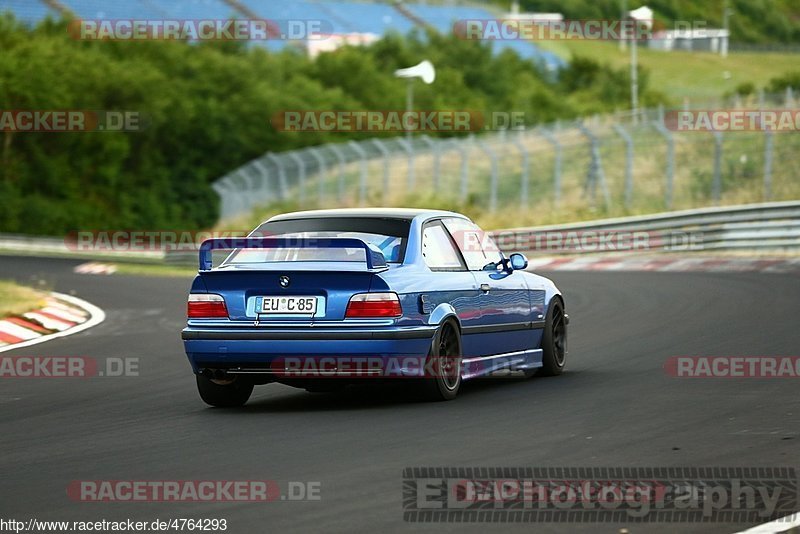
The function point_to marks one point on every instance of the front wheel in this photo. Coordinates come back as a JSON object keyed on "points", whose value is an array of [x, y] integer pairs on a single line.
{"points": [[554, 340], [224, 393]]}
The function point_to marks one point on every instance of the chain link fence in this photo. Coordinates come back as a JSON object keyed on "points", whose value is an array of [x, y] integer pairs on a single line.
{"points": [[616, 164]]}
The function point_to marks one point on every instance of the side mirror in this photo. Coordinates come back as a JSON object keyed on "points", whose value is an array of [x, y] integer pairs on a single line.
{"points": [[518, 262]]}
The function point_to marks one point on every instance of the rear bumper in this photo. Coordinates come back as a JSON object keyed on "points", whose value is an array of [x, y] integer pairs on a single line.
{"points": [[310, 334], [263, 349]]}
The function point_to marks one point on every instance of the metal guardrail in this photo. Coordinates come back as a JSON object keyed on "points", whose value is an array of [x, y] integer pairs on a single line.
{"points": [[765, 227], [758, 228], [58, 246]]}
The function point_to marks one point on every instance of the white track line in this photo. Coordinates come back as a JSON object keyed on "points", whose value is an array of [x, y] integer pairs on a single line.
{"points": [[779, 525], [97, 316]]}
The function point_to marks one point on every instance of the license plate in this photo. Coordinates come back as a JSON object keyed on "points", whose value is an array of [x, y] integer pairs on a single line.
{"points": [[289, 305]]}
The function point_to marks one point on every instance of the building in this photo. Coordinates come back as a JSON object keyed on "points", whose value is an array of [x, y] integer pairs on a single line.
{"points": [[694, 39]]}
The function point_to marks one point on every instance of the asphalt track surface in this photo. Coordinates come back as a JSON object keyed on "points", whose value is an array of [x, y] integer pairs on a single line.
{"points": [[614, 407]]}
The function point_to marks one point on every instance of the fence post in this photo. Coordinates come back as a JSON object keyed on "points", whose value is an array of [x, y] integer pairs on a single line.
{"points": [[789, 98], [524, 173], [556, 163], [282, 187], [596, 173], [628, 163], [670, 139], [322, 175], [460, 147], [716, 187], [263, 191], [251, 178], [437, 156], [385, 152], [409, 148], [225, 206], [340, 157], [768, 150], [494, 174], [301, 175], [241, 192], [362, 182]]}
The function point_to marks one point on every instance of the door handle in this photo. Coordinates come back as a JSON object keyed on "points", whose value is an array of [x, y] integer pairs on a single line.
{"points": [[485, 288]]}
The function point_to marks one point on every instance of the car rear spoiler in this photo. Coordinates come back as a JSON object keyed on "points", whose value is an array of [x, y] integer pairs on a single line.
{"points": [[374, 257]]}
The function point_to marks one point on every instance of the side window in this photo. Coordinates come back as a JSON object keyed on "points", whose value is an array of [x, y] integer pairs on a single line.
{"points": [[477, 247], [438, 250]]}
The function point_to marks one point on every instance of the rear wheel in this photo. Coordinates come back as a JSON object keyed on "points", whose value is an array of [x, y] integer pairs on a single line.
{"points": [[554, 340], [224, 393], [443, 366]]}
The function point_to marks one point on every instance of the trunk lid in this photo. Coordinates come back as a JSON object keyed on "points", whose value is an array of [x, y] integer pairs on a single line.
{"points": [[331, 285]]}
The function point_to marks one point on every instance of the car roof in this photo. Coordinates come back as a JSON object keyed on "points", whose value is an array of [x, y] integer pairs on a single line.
{"points": [[382, 213]]}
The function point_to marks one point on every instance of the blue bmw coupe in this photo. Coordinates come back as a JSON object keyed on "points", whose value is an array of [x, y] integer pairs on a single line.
{"points": [[319, 299]]}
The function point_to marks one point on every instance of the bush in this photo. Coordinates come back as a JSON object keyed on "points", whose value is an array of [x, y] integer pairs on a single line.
{"points": [[207, 109]]}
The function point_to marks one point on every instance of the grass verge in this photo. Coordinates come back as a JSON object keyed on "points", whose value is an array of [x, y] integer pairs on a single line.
{"points": [[16, 299], [679, 74], [138, 269]]}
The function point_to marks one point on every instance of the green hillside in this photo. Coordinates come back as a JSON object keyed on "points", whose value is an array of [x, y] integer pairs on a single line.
{"points": [[698, 76], [751, 21]]}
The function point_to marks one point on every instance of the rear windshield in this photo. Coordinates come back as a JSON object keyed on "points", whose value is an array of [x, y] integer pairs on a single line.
{"points": [[390, 236]]}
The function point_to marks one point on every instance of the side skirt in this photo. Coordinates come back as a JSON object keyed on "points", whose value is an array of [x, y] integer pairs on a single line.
{"points": [[485, 365]]}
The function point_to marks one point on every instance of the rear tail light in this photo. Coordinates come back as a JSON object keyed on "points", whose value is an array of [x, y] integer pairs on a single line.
{"points": [[206, 305], [374, 305]]}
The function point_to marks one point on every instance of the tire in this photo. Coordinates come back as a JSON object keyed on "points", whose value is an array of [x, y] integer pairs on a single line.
{"points": [[554, 340], [444, 361], [224, 395]]}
